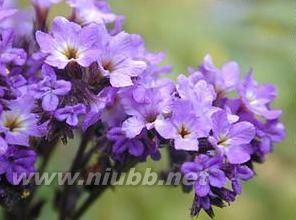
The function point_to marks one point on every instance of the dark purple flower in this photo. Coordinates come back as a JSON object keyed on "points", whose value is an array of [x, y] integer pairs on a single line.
{"points": [[69, 42], [49, 89], [70, 114], [122, 144], [205, 172], [17, 162], [232, 139]]}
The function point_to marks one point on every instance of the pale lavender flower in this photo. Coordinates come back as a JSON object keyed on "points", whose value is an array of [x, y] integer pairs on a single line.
{"points": [[232, 139], [257, 98], [45, 3], [116, 60], [225, 79], [92, 11], [68, 42], [70, 114], [184, 129], [197, 91], [5, 12], [200, 93], [145, 105], [18, 124]]}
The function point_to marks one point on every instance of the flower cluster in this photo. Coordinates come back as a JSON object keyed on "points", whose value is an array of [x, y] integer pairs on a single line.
{"points": [[85, 72]]}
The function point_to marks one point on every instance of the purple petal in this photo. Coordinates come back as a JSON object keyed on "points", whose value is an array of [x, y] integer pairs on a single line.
{"points": [[45, 41], [88, 57], [202, 190], [217, 178], [132, 127], [3, 165], [55, 61], [242, 133], [230, 73], [220, 124], [186, 144], [237, 155], [72, 120], [136, 148], [17, 138], [190, 167], [50, 102], [245, 173], [62, 114], [90, 34], [62, 87], [3, 146], [132, 67], [165, 128], [120, 80], [64, 30]]}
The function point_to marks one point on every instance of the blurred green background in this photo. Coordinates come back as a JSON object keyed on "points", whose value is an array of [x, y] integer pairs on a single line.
{"points": [[257, 33]]}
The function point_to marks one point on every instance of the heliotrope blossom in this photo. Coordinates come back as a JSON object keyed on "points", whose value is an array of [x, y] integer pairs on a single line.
{"points": [[92, 11], [45, 3], [84, 75], [5, 12], [69, 42]]}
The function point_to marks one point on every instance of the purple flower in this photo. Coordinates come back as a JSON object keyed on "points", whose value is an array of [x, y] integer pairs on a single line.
{"points": [[49, 89], [225, 79], [200, 93], [3, 146], [18, 123], [116, 60], [45, 3], [113, 113], [232, 139], [257, 98], [17, 162], [205, 172], [184, 129], [70, 114], [9, 54], [145, 105], [92, 11], [68, 42], [238, 174], [5, 12], [122, 144]]}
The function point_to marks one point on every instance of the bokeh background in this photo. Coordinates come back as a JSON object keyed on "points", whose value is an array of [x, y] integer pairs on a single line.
{"points": [[256, 33]]}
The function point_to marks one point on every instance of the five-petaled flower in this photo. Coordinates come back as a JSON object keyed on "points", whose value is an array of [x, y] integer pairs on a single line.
{"points": [[232, 139], [69, 42]]}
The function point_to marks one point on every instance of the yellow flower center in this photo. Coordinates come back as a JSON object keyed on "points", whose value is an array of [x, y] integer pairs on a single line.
{"points": [[12, 121], [71, 53]]}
